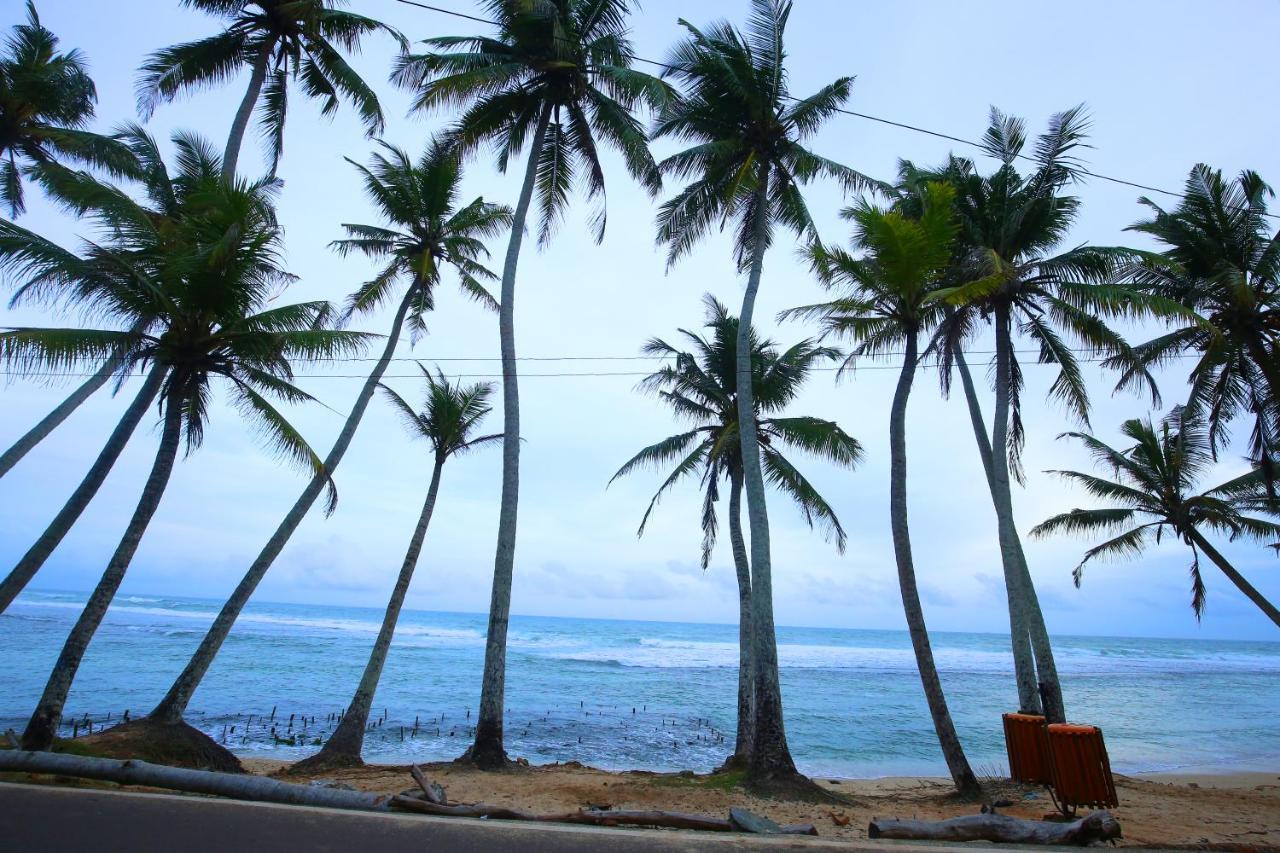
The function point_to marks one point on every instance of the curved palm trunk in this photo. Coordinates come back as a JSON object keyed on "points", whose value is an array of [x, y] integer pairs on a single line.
{"points": [[347, 741], [488, 752], [952, 750], [43, 725], [770, 755], [1236, 578], [75, 506], [1048, 688], [746, 669], [54, 419], [1024, 667], [174, 704], [231, 157]]}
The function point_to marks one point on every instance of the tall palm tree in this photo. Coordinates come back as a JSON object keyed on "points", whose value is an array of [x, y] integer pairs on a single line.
{"points": [[213, 321], [746, 162], [701, 388], [1154, 488], [449, 421], [1011, 226], [557, 75], [891, 301], [1221, 259], [101, 280], [426, 234], [46, 100], [280, 41]]}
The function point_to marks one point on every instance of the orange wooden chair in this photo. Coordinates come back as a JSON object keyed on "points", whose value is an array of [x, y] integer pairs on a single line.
{"points": [[1080, 772], [1024, 740]]}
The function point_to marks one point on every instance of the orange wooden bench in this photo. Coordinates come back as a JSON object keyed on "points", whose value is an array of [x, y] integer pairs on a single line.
{"points": [[1024, 740], [1079, 770]]}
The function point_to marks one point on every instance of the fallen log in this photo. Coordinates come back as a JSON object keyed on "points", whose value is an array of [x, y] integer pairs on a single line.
{"points": [[433, 791], [233, 785], [1099, 826]]}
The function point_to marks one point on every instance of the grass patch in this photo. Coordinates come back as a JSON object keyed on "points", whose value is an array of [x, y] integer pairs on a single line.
{"points": [[729, 780]]}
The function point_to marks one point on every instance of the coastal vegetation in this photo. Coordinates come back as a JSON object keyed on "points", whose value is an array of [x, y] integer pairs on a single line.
{"points": [[181, 283]]}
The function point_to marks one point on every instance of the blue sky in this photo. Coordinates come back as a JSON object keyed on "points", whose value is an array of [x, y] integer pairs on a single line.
{"points": [[1157, 107]]}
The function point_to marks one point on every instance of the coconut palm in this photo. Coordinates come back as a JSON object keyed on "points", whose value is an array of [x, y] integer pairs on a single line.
{"points": [[701, 388], [1154, 489], [46, 100], [890, 302], [280, 41], [746, 163], [1011, 227], [556, 75], [101, 280], [1221, 259], [449, 421], [210, 296], [426, 233]]}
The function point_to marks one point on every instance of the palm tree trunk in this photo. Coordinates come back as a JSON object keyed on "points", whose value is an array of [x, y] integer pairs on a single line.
{"points": [[231, 158], [43, 726], [770, 755], [54, 419], [174, 704], [746, 670], [36, 555], [488, 752], [1236, 578], [952, 750], [1020, 637], [347, 741]]}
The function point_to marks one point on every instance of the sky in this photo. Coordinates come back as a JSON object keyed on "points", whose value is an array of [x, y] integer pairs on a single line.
{"points": [[1157, 109]]}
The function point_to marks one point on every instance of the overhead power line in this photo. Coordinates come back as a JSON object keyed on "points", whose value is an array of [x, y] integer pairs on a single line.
{"points": [[865, 116]]}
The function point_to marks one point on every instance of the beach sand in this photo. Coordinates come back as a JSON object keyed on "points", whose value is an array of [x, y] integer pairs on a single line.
{"points": [[1165, 810]]}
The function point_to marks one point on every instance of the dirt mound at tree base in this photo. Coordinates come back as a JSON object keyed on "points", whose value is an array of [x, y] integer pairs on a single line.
{"points": [[171, 744]]}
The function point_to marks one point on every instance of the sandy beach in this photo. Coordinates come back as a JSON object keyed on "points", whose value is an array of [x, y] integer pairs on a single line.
{"points": [[1187, 810]]}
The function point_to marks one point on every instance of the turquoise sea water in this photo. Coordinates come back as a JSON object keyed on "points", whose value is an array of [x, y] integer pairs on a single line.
{"points": [[853, 699]]}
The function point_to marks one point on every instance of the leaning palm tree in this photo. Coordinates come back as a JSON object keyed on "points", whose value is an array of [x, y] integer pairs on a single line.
{"points": [[449, 422], [281, 41], [701, 388], [100, 280], [426, 234], [46, 100], [746, 163], [1154, 488], [1221, 259], [210, 296], [557, 75], [891, 301], [1011, 226]]}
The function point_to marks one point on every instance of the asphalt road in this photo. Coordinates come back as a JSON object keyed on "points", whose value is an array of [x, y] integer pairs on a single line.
{"points": [[47, 819]]}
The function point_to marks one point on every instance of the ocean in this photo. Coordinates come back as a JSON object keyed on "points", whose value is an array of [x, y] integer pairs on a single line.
{"points": [[639, 695]]}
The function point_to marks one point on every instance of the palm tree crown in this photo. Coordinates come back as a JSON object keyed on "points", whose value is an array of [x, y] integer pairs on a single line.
{"points": [[1154, 489], [559, 70], [46, 100], [746, 130], [295, 40], [450, 416], [428, 231], [701, 388], [1221, 260]]}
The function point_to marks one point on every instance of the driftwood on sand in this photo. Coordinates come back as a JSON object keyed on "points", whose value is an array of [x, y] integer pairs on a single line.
{"points": [[1099, 826], [234, 785]]}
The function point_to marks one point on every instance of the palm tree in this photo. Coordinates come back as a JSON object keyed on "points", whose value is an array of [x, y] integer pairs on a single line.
{"points": [[557, 75], [1221, 259], [46, 100], [891, 301], [428, 233], [746, 163], [280, 40], [1154, 489], [701, 388], [101, 280], [1010, 228], [210, 301], [452, 415]]}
